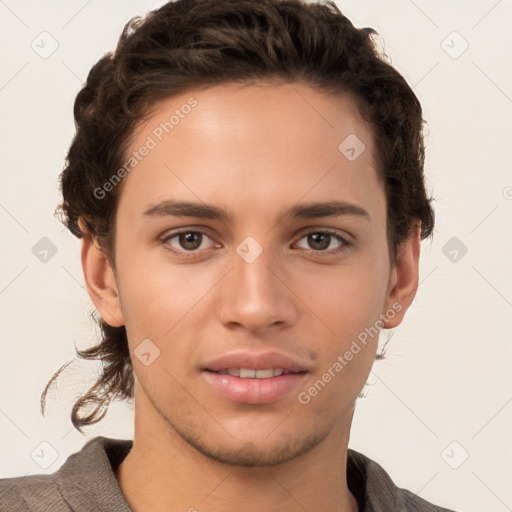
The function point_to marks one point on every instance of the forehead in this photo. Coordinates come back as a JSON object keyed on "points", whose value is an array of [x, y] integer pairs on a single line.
{"points": [[284, 109], [236, 144]]}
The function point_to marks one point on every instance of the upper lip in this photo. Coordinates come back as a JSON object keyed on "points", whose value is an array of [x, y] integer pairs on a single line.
{"points": [[255, 361]]}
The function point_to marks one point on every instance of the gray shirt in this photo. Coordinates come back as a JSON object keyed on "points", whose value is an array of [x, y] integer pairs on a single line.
{"points": [[86, 482]]}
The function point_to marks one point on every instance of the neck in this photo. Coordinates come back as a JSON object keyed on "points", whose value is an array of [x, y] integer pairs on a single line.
{"points": [[163, 472]]}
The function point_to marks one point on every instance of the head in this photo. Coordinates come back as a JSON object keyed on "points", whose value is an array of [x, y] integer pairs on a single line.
{"points": [[264, 94]]}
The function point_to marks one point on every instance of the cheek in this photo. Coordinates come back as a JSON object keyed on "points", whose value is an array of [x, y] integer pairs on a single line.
{"points": [[346, 340], [346, 299], [155, 294], [166, 306], [342, 311]]}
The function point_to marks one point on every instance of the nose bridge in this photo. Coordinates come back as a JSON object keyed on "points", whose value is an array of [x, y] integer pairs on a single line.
{"points": [[253, 294], [252, 275]]}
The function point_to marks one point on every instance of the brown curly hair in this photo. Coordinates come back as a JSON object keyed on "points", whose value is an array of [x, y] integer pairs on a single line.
{"points": [[197, 43]]}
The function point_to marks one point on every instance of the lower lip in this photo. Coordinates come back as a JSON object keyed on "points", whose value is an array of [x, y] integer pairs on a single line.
{"points": [[254, 391]]}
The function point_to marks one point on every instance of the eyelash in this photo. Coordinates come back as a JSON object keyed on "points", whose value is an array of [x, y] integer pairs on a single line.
{"points": [[191, 254]]}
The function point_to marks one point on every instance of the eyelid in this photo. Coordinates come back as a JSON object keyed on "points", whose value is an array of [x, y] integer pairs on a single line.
{"points": [[325, 229], [346, 240], [301, 233], [187, 229]]}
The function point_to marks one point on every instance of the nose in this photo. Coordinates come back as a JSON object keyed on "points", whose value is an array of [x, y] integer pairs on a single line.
{"points": [[255, 295]]}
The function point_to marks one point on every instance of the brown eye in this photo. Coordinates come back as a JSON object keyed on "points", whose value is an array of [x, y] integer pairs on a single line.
{"points": [[190, 240], [186, 241], [319, 241]]}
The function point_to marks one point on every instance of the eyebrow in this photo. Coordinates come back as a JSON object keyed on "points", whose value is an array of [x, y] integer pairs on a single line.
{"points": [[171, 207]]}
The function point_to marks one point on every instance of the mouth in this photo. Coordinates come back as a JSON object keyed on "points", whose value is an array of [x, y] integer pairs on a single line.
{"points": [[249, 386], [250, 373], [255, 377]]}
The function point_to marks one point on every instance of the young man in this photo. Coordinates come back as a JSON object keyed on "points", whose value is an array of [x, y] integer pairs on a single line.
{"points": [[247, 181]]}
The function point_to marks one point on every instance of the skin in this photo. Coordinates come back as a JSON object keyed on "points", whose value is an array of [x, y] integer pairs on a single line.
{"points": [[255, 150]]}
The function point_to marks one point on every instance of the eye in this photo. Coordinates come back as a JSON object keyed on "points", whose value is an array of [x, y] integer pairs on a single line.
{"points": [[319, 240], [186, 241], [190, 242]]}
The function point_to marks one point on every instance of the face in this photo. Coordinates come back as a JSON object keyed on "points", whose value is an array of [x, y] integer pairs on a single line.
{"points": [[270, 274]]}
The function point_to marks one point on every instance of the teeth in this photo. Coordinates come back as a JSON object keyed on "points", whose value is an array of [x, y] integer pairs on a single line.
{"points": [[247, 373], [264, 374]]}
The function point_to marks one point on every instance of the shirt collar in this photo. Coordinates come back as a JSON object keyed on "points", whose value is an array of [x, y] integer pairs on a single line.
{"points": [[90, 473]]}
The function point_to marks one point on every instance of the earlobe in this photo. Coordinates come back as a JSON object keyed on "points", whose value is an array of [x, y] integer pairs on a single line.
{"points": [[100, 280], [404, 281]]}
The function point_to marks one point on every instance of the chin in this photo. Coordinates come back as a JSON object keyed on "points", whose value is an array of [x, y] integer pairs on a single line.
{"points": [[248, 450]]}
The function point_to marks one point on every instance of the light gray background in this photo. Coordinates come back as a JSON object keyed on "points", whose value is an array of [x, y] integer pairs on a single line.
{"points": [[444, 392]]}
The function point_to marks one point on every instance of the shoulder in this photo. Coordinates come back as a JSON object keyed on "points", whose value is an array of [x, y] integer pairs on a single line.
{"points": [[373, 486], [26, 493], [77, 482]]}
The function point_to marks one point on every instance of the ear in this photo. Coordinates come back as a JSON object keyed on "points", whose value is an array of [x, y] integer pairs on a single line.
{"points": [[403, 281], [100, 280]]}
